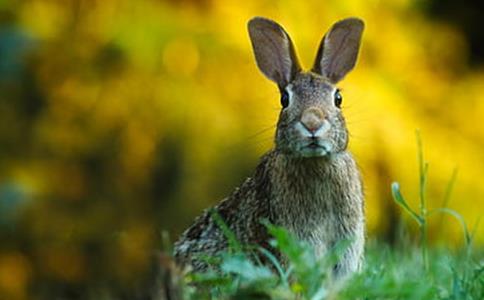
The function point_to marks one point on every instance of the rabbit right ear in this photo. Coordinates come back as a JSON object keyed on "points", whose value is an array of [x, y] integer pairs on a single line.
{"points": [[338, 50], [274, 51]]}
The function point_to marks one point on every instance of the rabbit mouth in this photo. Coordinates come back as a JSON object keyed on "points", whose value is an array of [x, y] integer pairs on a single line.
{"points": [[315, 149]]}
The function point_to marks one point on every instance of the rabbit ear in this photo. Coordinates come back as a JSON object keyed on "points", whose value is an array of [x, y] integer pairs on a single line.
{"points": [[274, 51], [338, 50]]}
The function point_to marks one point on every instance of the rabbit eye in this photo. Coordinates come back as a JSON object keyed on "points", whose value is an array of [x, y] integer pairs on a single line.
{"points": [[338, 98], [284, 99]]}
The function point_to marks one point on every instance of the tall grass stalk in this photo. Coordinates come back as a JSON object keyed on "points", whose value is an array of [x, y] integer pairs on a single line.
{"points": [[424, 213], [423, 170], [421, 217]]}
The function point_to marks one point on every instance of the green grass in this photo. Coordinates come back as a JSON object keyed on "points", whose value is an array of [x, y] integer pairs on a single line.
{"points": [[388, 273]]}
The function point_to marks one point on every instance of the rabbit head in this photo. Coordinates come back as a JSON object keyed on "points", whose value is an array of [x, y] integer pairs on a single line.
{"points": [[310, 122]]}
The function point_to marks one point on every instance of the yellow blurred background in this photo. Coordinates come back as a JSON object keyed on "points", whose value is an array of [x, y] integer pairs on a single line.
{"points": [[120, 119]]}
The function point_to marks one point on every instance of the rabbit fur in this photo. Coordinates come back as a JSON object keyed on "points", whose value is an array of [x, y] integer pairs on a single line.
{"points": [[309, 183]]}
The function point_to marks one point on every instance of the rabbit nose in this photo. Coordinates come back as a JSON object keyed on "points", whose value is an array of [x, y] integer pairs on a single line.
{"points": [[312, 119]]}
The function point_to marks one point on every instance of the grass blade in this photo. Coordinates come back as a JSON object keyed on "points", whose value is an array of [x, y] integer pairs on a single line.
{"points": [[275, 262], [458, 217], [229, 234], [449, 188], [423, 169], [397, 196]]}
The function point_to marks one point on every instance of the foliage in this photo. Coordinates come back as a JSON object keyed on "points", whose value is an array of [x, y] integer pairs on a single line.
{"points": [[422, 217], [388, 274]]}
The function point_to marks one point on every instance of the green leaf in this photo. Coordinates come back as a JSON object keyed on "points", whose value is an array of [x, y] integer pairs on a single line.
{"points": [[397, 196], [241, 265], [275, 262]]}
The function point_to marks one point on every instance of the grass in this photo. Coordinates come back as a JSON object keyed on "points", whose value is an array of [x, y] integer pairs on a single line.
{"points": [[389, 273], [406, 271]]}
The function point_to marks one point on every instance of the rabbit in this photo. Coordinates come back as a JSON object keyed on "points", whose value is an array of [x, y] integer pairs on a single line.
{"points": [[309, 183]]}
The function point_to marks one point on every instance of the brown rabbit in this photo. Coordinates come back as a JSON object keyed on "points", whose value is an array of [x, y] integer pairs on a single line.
{"points": [[309, 183]]}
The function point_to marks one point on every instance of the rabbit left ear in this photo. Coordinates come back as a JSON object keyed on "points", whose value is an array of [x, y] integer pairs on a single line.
{"points": [[273, 50], [338, 50]]}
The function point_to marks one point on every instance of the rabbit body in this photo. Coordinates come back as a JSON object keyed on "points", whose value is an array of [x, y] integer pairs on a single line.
{"points": [[318, 200], [309, 183]]}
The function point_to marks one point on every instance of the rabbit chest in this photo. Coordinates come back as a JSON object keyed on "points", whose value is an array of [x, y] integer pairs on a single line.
{"points": [[320, 201]]}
